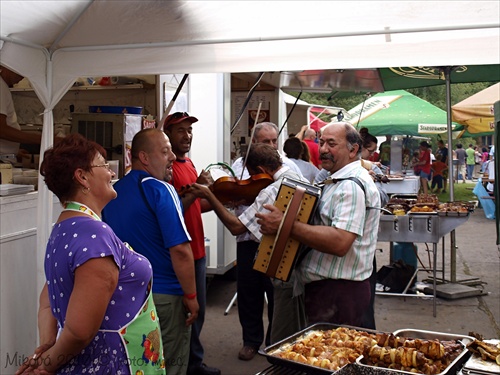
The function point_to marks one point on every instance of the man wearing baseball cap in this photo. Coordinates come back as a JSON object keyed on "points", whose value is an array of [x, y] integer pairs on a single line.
{"points": [[178, 127]]}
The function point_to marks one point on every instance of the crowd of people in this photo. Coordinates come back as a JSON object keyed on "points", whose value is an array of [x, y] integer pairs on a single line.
{"points": [[125, 263], [468, 164]]}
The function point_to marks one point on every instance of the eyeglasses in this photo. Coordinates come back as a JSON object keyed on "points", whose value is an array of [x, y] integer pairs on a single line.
{"points": [[105, 165]]}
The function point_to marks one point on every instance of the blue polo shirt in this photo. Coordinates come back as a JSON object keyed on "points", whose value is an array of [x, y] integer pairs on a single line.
{"points": [[151, 221]]}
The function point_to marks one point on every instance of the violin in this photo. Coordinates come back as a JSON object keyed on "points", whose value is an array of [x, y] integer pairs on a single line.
{"points": [[230, 189]]}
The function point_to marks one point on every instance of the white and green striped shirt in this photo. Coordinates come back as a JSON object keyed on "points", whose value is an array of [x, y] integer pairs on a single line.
{"points": [[266, 196], [343, 205]]}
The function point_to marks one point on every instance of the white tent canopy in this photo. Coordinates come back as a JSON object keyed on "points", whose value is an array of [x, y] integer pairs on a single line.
{"points": [[54, 42], [97, 38]]}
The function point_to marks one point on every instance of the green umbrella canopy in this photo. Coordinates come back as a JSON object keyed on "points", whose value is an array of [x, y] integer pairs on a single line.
{"points": [[399, 113], [422, 76]]}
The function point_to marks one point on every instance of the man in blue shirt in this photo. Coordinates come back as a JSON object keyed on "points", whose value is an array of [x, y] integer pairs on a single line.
{"points": [[148, 215]]}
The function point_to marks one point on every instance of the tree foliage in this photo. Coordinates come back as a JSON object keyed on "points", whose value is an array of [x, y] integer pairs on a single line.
{"points": [[435, 95]]}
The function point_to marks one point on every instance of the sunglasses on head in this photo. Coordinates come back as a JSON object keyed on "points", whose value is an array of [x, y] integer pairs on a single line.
{"points": [[178, 115]]}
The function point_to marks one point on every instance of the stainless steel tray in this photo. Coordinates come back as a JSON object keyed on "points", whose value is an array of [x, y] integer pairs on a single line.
{"points": [[476, 365], [452, 368], [308, 369]]}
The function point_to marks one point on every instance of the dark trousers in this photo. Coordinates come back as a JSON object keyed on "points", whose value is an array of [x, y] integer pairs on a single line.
{"points": [[369, 316], [337, 301], [251, 286], [196, 348]]}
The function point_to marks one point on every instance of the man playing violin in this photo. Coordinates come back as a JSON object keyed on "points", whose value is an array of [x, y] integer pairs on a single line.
{"points": [[178, 128], [252, 284], [343, 236], [251, 298], [264, 132]]}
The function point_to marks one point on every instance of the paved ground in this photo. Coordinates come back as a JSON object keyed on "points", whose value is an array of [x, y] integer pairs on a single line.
{"points": [[477, 257]]}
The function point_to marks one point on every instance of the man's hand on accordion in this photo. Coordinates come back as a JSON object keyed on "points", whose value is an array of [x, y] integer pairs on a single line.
{"points": [[269, 222]]}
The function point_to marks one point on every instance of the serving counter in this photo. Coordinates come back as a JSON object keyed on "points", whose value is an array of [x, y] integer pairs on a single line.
{"points": [[18, 276]]}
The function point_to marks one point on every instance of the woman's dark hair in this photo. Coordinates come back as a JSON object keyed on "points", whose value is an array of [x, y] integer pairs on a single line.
{"points": [[367, 138], [306, 154], [293, 148], [62, 160], [263, 155], [485, 149]]}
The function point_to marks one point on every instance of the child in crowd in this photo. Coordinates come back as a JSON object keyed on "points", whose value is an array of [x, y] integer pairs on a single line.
{"points": [[438, 167]]}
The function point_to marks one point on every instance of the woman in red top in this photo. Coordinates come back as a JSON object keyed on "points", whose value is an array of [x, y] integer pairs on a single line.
{"points": [[424, 164]]}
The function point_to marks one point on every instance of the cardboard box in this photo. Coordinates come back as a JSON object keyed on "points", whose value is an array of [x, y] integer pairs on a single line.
{"points": [[5, 173]]}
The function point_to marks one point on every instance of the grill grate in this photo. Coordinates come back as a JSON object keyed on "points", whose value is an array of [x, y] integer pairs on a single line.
{"points": [[280, 370]]}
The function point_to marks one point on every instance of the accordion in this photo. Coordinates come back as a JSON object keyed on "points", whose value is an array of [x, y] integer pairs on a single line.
{"points": [[278, 253]]}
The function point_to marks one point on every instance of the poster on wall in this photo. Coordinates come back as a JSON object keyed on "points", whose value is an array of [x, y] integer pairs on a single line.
{"points": [[252, 118], [240, 137]]}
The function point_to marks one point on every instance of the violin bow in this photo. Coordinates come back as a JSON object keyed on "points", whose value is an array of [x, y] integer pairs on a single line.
{"points": [[290, 113], [251, 140], [171, 104], [247, 100], [368, 95]]}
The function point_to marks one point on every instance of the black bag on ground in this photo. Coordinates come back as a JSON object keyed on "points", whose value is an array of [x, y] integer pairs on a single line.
{"points": [[395, 277]]}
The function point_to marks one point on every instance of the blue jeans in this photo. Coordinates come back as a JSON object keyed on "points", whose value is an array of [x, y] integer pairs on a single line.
{"points": [[196, 348], [470, 171]]}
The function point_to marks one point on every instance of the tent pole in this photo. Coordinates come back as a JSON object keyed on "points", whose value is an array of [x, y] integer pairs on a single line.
{"points": [[184, 43], [453, 248]]}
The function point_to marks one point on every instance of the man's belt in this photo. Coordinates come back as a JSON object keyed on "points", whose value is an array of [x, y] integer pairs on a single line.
{"points": [[277, 253]]}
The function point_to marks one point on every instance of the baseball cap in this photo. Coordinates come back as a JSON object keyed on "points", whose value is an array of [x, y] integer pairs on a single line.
{"points": [[177, 117]]}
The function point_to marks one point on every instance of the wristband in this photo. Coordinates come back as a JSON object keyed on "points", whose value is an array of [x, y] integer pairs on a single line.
{"points": [[190, 296]]}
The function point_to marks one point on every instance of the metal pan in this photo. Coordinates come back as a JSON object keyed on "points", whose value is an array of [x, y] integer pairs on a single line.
{"points": [[310, 370], [452, 368]]}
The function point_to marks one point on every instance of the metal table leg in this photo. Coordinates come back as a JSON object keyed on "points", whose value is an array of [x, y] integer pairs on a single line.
{"points": [[434, 248]]}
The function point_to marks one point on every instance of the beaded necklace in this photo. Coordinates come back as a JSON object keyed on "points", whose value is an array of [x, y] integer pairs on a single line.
{"points": [[80, 207]]}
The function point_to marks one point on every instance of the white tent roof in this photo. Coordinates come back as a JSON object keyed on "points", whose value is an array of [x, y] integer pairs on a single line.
{"points": [[54, 42], [99, 38]]}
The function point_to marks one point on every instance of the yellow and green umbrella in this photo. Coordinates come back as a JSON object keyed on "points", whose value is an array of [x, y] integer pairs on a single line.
{"points": [[476, 112]]}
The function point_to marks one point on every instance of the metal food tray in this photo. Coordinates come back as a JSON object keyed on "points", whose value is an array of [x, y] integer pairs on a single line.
{"points": [[452, 368], [476, 365], [308, 369]]}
